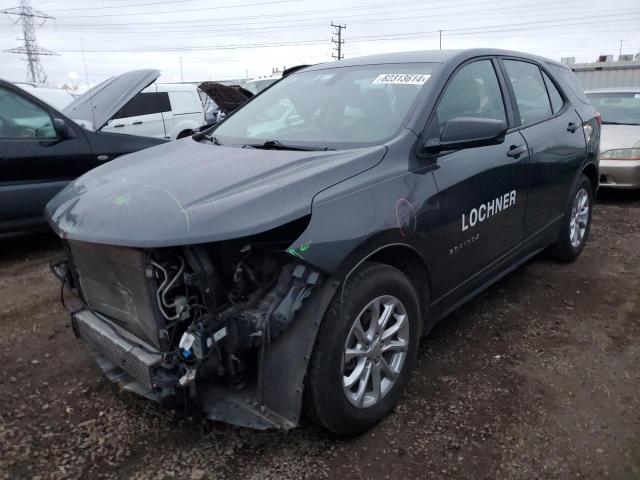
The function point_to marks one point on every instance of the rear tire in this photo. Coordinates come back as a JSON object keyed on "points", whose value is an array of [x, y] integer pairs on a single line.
{"points": [[576, 223], [356, 375]]}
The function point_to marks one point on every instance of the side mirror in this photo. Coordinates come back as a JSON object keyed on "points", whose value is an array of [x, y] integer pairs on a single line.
{"points": [[61, 128], [467, 132]]}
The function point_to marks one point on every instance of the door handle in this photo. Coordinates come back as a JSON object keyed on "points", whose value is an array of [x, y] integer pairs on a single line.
{"points": [[516, 150], [572, 127], [118, 125], [137, 123]]}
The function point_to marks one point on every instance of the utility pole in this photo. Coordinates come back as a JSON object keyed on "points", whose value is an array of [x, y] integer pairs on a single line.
{"points": [[181, 76], [440, 39], [620, 52], [27, 16], [339, 42]]}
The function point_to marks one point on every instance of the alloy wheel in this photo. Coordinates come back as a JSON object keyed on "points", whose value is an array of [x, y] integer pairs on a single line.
{"points": [[375, 351], [579, 218]]}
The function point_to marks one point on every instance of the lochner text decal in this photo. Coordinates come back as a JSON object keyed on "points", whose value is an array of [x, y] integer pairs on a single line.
{"points": [[488, 210]]}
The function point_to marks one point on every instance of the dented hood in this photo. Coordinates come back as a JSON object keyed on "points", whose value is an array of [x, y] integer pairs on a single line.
{"points": [[103, 101], [186, 192]]}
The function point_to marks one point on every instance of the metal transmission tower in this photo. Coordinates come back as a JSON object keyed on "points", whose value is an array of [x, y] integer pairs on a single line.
{"points": [[28, 16], [339, 42]]}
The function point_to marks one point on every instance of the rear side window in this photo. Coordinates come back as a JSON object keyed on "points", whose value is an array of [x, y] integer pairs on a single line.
{"points": [[184, 101], [529, 90], [474, 91], [554, 95], [145, 103], [570, 79]]}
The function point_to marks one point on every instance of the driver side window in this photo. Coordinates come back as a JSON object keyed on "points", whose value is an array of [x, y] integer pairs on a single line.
{"points": [[474, 91], [19, 118]]}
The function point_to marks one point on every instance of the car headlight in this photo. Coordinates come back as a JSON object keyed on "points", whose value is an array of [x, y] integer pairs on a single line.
{"points": [[621, 154]]}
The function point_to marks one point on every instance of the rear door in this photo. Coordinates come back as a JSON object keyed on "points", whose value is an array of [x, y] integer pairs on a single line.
{"points": [[141, 116], [553, 132], [34, 163], [481, 190]]}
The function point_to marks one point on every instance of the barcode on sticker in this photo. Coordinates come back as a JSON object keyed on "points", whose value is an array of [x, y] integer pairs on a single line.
{"points": [[402, 78], [637, 95]]}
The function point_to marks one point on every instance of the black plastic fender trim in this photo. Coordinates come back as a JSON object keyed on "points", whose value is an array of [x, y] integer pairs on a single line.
{"points": [[287, 358]]}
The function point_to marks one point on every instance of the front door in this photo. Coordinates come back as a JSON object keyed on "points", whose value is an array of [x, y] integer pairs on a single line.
{"points": [[34, 163], [481, 190]]}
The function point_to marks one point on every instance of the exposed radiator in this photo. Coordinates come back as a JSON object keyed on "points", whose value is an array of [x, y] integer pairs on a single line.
{"points": [[103, 338], [114, 284]]}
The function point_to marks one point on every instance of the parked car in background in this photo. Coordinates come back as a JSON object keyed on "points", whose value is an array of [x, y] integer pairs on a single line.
{"points": [[220, 100], [56, 97], [43, 149], [257, 85], [298, 250], [620, 142], [163, 110]]}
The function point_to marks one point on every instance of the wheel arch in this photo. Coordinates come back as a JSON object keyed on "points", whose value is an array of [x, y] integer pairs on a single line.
{"points": [[591, 171], [184, 133], [183, 125], [408, 260]]}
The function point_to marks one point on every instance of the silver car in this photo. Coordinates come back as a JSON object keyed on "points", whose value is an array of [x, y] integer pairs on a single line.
{"points": [[620, 135]]}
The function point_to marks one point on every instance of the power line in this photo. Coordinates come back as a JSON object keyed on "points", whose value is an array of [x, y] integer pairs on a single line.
{"points": [[338, 42], [521, 26], [183, 10], [25, 15], [281, 25], [296, 14], [115, 6]]}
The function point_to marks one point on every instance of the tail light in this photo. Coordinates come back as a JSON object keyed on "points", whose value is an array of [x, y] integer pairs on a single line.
{"points": [[592, 132], [589, 128]]}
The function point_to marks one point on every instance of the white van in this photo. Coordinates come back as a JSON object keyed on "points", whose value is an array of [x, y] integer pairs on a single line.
{"points": [[166, 110]]}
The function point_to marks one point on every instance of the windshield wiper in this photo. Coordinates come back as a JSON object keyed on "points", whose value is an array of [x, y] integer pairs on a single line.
{"points": [[278, 145]]}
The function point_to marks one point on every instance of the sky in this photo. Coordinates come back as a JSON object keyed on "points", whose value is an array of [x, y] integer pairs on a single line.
{"points": [[222, 39]]}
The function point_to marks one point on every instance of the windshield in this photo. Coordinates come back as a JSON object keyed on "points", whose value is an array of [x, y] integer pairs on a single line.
{"points": [[617, 107], [330, 108]]}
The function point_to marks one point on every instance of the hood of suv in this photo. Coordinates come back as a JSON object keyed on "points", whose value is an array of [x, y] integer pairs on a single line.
{"points": [[101, 102], [186, 192]]}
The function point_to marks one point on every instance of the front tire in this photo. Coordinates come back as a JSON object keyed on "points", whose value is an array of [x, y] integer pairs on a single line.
{"points": [[576, 224], [364, 351]]}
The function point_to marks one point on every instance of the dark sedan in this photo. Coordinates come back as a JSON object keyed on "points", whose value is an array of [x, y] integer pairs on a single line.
{"points": [[42, 149]]}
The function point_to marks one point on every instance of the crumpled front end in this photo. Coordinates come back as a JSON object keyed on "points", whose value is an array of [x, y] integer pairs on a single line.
{"points": [[226, 328]]}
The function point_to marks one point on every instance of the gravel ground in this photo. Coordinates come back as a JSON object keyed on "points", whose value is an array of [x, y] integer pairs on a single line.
{"points": [[536, 378]]}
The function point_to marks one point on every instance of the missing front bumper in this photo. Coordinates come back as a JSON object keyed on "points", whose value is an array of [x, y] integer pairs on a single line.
{"points": [[107, 343], [131, 365]]}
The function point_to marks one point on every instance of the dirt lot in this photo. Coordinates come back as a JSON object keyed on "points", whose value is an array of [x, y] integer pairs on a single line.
{"points": [[539, 377]]}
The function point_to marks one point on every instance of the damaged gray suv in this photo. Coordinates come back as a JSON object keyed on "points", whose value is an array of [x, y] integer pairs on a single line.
{"points": [[290, 258]]}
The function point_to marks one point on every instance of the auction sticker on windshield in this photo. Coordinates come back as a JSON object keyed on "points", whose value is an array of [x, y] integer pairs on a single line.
{"points": [[402, 78]]}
